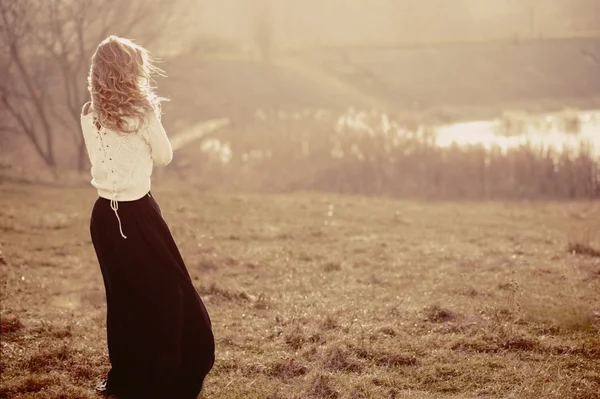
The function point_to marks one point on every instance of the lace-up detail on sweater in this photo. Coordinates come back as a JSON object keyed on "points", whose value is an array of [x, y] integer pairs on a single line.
{"points": [[122, 162]]}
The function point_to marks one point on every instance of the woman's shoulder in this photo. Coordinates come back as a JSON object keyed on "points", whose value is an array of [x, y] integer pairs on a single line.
{"points": [[150, 121], [152, 116], [133, 125], [89, 119]]}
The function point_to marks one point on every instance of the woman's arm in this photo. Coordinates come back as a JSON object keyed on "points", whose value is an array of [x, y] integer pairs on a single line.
{"points": [[162, 152]]}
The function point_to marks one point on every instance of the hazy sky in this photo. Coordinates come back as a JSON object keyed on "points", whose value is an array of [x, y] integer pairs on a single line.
{"points": [[334, 22]]}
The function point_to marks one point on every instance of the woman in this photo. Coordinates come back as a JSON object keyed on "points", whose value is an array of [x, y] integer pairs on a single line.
{"points": [[160, 341]]}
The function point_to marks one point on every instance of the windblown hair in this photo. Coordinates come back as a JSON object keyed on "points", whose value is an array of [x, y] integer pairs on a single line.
{"points": [[119, 83]]}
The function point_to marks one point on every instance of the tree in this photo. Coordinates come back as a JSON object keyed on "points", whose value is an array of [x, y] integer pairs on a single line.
{"points": [[263, 29], [23, 90]]}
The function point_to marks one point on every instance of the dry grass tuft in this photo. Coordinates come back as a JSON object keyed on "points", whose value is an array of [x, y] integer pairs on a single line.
{"points": [[582, 244], [320, 386], [496, 339], [581, 248], [9, 325], [226, 366], [437, 314], [48, 359], [330, 323], [475, 345], [341, 359], [207, 264], [275, 395], [286, 369], [386, 359], [332, 267], [444, 379], [83, 372], [360, 392], [261, 302], [389, 331], [27, 385], [565, 318], [53, 331], [295, 338], [519, 344], [214, 291], [470, 292]]}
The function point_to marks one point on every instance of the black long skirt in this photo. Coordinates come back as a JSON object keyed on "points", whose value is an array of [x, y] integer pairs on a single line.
{"points": [[160, 341]]}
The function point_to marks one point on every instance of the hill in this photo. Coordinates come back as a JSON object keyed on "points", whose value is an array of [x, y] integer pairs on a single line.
{"points": [[447, 81]]}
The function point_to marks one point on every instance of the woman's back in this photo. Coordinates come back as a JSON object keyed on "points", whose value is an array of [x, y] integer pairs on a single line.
{"points": [[122, 162]]}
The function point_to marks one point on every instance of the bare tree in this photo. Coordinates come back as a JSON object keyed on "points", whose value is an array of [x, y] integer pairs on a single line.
{"points": [[263, 29], [23, 91], [49, 46]]}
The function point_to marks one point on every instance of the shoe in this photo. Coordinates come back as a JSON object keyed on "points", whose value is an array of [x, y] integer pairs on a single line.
{"points": [[101, 387]]}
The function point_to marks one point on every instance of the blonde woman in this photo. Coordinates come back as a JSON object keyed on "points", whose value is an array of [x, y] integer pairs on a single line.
{"points": [[160, 342]]}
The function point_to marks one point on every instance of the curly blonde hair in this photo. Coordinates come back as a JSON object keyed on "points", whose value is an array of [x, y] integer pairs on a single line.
{"points": [[119, 83]]}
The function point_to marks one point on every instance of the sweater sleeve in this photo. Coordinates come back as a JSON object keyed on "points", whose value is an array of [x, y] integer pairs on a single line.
{"points": [[162, 152]]}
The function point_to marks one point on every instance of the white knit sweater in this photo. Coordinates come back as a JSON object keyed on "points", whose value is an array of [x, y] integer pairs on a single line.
{"points": [[122, 162]]}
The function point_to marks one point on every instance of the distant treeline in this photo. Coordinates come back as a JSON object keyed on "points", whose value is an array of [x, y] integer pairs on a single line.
{"points": [[296, 157]]}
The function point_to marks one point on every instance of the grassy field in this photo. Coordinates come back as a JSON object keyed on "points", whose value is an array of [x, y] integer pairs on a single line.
{"points": [[323, 296]]}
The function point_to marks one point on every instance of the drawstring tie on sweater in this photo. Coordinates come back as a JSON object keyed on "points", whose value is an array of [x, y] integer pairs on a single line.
{"points": [[114, 205]]}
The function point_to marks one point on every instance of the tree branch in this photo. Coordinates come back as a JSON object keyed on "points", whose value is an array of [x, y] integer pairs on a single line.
{"points": [[28, 130]]}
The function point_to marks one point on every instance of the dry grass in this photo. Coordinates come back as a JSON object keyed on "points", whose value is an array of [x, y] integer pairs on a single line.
{"points": [[458, 300], [581, 248], [359, 153]]}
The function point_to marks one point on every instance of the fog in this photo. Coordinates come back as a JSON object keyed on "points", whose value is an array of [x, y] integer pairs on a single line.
{"points": [[259, 87], [308, 23]]}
